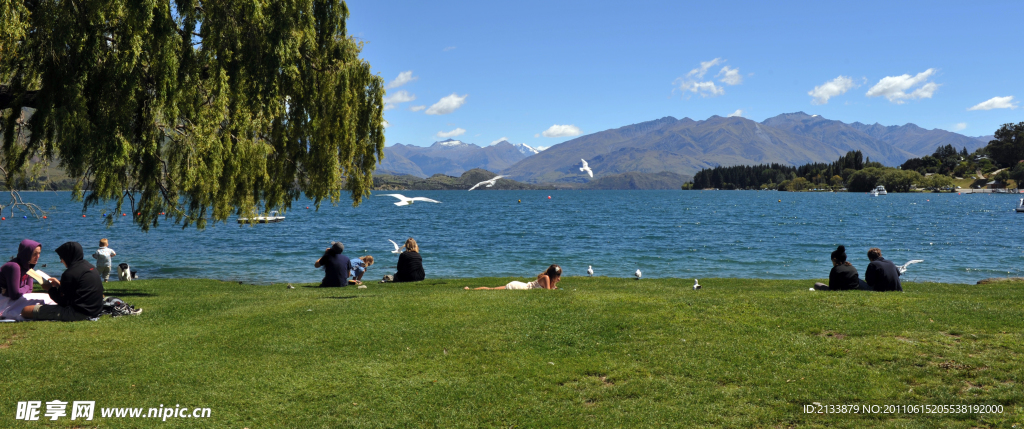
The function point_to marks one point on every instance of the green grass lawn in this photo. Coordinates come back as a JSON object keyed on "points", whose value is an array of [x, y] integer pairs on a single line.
{"points": [[600, 352]]}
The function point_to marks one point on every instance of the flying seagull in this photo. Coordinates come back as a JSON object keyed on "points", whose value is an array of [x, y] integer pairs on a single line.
{"points": [[903, 268], [696, 285], [586, 168], [638, 274], [404, 201], [488, 182], [396, 246], [590, 271]]}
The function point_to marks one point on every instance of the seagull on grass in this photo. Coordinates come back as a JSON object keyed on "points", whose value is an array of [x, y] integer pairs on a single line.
{"points": [[590, 271], [397, 250], [696, 284], [638, 274], [586, 168], [903, 268], [488, 182], [405, 201]]}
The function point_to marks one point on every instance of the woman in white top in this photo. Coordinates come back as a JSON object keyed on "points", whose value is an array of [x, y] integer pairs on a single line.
{"points": [[546, 280]]}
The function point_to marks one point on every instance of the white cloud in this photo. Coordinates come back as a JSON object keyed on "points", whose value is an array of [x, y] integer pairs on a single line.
{"points": [[730, 76], [402, 79], [996, 103], [387, 124], [449, 134], [894, 88], [450, 48], [562, 131], [738, 112], [960, 126], [396, 98], [832, 88], [693, 81], [417, 108], [447, 105], [698, 73], [536, 135], [503, 139]]}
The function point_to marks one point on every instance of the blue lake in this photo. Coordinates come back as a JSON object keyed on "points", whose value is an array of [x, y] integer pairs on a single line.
{"points": [[685, 234]]}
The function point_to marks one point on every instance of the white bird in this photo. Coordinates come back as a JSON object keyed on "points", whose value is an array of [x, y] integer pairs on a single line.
{"points": [[590, 271], [396, 246], [488, 182], [696, 285], [404, 200], [903, 268], [638, 274], [586, 168]]}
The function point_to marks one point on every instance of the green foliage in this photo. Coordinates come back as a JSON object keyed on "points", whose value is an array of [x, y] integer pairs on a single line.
{"points": [[199, 110], [1017, 174], [936, 182], [865, 180], [1008, 147], [600, 352]]}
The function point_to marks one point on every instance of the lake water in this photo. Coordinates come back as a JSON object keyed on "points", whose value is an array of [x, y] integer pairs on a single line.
{"points": [[685, 234]]}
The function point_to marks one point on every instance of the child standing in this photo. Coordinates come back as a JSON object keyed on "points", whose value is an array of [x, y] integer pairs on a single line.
{"points": [[103, 256]]}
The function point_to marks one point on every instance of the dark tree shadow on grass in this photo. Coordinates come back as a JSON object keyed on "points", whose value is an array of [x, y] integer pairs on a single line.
{"points": [[126, 292]]}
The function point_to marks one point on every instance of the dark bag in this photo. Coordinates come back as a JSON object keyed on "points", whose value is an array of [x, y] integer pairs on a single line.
{"points": [[114, 307]]}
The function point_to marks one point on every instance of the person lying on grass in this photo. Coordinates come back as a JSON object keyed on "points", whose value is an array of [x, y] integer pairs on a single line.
{"points": [[546, 280], [78, 294]]}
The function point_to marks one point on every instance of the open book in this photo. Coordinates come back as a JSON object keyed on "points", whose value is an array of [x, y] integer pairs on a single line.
{"points": [[38, 276]]}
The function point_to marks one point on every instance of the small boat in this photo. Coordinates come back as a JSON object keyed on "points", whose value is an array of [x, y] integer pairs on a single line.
{"points": [[1020, 207], [879, 190], [273, 218]]}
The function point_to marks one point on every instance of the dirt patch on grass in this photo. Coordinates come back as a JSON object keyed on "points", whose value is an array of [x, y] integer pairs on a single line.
{"points": [[832, 334], [1001, 280], [8, 341], [954, 365]]}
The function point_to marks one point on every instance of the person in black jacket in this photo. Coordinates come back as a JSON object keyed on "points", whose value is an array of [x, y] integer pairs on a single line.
{"points": [[843, 275], [78, 294], [336, 266], [410, 264], [882, 275]]}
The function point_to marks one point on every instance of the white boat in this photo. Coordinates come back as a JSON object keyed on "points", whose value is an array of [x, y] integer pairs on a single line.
{"points": [[1020, 207], [879, 190], [273, 218]]}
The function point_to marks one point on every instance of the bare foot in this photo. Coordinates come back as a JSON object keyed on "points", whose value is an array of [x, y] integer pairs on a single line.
{"points": [[466, 288]]}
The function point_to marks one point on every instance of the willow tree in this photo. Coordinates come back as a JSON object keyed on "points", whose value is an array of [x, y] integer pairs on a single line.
{"points": [[196, 109]]}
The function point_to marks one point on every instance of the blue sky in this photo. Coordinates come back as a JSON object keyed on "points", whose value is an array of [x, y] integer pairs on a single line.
{"points": [[542, 72]]}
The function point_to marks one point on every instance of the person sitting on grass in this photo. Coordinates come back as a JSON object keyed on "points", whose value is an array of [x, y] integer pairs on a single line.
{"points": [[410, 263], [78, 294], [882, 275], [843, 275], [336, 266], [14, 279], [359, 266], [546, 280]]}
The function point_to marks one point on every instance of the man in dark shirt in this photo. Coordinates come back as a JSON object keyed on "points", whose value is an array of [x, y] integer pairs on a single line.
{"points": [[78, 294], [336, 266], [881, 274]]}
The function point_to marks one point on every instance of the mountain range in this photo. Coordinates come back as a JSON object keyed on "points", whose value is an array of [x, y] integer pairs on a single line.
{"points": [[639, 154]]}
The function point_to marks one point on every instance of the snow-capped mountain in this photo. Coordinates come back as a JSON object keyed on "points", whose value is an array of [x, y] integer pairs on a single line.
{"points": [[529, 150], [450, 143]]}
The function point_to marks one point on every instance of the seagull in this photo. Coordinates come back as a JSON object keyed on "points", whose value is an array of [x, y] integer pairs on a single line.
{"points": [[903, 268], [638, 274], [488, 182], [586, 168], [696, 285], [590, 271], [396, 246], [405, 201]]}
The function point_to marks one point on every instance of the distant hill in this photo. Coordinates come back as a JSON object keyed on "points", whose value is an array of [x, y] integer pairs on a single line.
{"points": [[448, 157], [634, 180], [684, 146], [440, 182]]}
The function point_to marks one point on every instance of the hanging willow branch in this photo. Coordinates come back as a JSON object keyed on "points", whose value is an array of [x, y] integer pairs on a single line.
{"points": [[201, 110]]}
